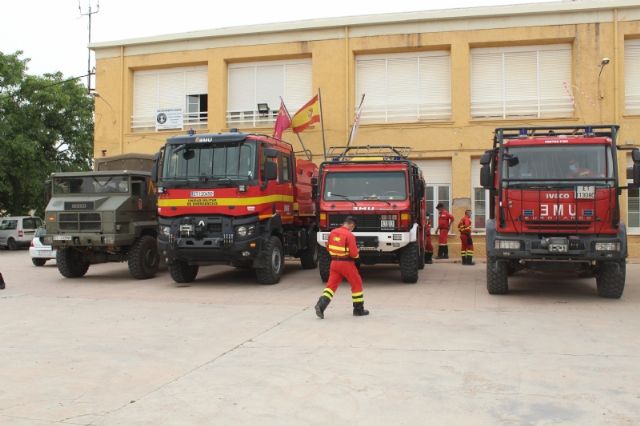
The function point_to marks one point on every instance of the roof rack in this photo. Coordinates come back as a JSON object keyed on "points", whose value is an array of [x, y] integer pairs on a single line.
{"points": [[368, 153], [604, 130]]}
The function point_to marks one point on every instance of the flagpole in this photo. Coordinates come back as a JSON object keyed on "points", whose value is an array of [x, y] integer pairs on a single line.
{"points": [[354, 121], [324, 146], [297, 134]]}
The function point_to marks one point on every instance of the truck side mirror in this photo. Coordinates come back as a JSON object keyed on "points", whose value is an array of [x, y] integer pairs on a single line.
{"points": [[155, 166], [420, 189], [270, 171], [314, 188], [486, 157], [635, 155], [636, 174], [485, 177]]}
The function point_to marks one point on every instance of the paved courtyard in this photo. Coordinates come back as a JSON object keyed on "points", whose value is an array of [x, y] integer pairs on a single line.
{"points": [[109, 350]]}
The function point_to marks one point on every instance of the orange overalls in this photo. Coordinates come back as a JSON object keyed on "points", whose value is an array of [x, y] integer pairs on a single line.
{"points": [[444, 223], [343, 250], [466, 249]]}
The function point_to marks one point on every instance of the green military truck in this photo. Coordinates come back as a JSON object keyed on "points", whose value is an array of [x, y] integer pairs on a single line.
{"points": [[108, 215]]}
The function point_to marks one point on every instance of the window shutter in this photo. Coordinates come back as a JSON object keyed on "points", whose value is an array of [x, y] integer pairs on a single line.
{"points": [[524, 81], [171, 93], [241, 89], [145, 99], [436, 171], [269, 85], [631, 80], [197, 81], [297, 90], [404, 86]]}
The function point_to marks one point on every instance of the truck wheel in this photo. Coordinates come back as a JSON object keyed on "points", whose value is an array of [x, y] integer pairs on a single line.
{"points": [[409, 263], [143, 258], [38, 262], [309, 257], [11, 244], [274, 260], [182, 272], [497, 277], [71, 263], [324, 263], [610, 279]]}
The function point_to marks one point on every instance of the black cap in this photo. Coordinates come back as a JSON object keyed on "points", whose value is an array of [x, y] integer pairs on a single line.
{"points": [[350, 219], [440, 206]]}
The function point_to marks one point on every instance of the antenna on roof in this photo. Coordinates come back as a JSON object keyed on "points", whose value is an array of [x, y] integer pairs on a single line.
{"points": [[89, 13]]}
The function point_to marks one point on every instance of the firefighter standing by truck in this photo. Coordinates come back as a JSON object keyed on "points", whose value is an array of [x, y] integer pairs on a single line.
{"points": [[344, 252], [466, 243], [428, 249], [445, 219]]}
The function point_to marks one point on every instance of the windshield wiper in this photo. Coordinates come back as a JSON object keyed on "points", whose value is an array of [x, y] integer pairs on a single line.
{"points": [[333, 194], [375, 198]]}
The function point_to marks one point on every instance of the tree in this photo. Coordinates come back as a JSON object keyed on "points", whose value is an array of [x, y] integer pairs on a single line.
{"points": [[46, 125]]}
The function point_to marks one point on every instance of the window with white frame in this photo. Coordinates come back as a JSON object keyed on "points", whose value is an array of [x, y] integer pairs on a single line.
{"points": [[437, 174], [404, 87], [183, 89], [633, 202], [631, 80], [522, 81], [479, 198], [256, 83]]}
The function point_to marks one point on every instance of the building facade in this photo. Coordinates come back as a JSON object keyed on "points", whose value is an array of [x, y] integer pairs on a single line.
{"points": [[438, 81]]}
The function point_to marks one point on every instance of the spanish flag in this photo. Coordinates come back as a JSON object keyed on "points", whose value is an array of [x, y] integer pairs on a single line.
{"points": [[306, 116]]}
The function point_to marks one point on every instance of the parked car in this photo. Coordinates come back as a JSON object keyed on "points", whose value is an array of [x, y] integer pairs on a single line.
{"points": [[39, 251], [18, 231]]}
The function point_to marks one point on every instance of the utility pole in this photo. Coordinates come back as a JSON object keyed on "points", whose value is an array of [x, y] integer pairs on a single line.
{"points": [[89, 13]]}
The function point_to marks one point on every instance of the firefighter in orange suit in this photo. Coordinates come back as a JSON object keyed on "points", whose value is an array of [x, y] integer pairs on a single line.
{"points": [[466, 246], [445, 219], [428, 252], [343, 250]]}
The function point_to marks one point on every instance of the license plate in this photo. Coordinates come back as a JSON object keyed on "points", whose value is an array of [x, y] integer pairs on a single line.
{"points": [[558, 248], [585, 192], [62, 237]]}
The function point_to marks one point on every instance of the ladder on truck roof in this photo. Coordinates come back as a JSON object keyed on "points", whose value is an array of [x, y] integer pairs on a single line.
{"points": [[368, 153]]}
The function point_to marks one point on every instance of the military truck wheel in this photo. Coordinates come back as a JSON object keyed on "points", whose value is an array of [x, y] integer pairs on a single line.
{"points": [[38, 262], [409, 263], [71, 263], [182, 272], [324, 263], [610, 279], [497, 276], [273, 260], [11, 244], [143, 258], [309, 257]]}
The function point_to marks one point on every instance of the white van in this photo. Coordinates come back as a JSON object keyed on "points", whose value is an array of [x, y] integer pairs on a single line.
{"points": [[18, 231]]}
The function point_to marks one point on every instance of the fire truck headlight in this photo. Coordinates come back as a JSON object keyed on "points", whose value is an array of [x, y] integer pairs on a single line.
{"points": [[507, 244], [243, 231], [608, 246], [165, 231]]}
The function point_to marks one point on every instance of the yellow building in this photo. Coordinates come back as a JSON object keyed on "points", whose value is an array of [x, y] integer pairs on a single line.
{"points": [[437, 81]]}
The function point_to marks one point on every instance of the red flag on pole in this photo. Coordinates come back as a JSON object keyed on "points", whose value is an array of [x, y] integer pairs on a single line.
{"points": [[282, 121]]}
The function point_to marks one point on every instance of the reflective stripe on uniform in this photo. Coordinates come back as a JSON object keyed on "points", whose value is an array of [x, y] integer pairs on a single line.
{"points": [[357, 297], [328, 292]]}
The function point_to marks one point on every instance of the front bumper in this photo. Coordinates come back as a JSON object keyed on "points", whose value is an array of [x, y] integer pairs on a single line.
{"points": [[377, 242], [87, 240]]}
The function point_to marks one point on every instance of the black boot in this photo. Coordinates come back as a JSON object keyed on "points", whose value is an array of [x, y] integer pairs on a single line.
{"points": [[322, 304], [464, 259], [428, 258], [445, 252], [470, 261], [440, 252], [359, 310]]}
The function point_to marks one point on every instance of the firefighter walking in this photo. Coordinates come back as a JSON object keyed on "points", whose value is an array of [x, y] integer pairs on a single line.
{"points": [[445, 219], [343, 250], [466, 243]]}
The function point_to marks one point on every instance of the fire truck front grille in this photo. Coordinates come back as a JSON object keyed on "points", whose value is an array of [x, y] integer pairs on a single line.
{"points": [[79, 221], [365, 222], [558, 224]]}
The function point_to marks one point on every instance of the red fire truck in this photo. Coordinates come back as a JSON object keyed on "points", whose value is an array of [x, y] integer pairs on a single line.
{"points": [[555, 204], [385, 193], [234, 198]]}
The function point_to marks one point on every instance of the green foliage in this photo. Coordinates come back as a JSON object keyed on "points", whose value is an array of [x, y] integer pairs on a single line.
{"points": [[46, 125]]}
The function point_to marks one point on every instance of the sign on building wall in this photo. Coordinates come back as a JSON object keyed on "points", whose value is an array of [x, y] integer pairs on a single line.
{"points": [[169, 118]]}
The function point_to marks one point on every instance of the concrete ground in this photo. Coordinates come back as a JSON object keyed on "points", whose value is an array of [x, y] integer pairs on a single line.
{"points": [[109, 350]]}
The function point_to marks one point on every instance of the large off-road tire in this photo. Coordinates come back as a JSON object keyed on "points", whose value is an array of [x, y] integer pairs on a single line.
{"points": [[11, 244], [497, 276], [182, 272], [71, 262], [271, 272], [610, 279], [324, 264], [143, 258], [409, 258], [309, 257], [38, 261]]}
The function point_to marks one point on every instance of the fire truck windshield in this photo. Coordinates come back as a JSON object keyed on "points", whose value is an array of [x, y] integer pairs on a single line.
{"points": [[202, 162], [356, 186], [558, 164]]}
